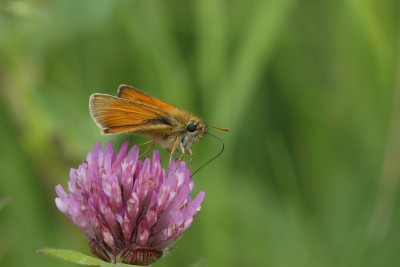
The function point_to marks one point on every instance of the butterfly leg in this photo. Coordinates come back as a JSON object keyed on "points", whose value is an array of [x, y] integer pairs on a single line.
{"points": [[183, 151], [174, 146], [191, 158], [151, 142], [147, 142]]}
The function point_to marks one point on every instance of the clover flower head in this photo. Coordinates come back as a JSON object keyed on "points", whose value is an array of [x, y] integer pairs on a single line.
{"points": [[131, 210]]}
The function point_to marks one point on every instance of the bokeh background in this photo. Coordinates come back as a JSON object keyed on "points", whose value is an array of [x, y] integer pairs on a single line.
{"points": [[310, 89]]}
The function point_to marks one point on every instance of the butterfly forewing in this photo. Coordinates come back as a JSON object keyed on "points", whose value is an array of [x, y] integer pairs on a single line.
{"points": [[117, 115], [138, 96]]}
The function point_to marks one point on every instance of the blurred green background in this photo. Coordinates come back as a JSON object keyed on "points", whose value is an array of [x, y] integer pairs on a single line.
{"points": [[310, 89]]}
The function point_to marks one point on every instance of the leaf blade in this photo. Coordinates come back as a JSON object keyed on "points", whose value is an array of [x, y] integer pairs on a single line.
{"points": [[72, 256], [78, 258]]}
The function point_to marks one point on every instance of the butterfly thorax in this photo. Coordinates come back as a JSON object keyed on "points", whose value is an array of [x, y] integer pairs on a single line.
{"points": [[187, 130]]}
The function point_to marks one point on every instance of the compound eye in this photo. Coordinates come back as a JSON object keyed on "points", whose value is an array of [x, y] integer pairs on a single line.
{"points": [[191, 127]]}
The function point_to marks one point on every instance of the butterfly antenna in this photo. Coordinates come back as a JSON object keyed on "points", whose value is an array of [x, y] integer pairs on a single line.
{"points": [[221, 129], [216, 156]]}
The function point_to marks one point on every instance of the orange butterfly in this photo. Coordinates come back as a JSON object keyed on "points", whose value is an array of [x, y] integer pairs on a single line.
{"points": [[133, 111]]}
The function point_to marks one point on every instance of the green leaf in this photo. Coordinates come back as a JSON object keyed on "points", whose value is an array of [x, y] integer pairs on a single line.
{"points": [[72, 256], [78, 258]]}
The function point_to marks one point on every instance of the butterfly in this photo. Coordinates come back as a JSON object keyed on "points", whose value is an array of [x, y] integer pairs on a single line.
{"points": [[135, 112]]}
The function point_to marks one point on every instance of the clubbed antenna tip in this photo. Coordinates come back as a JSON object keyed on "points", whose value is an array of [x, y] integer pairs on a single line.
{"points": [[221, 129]]}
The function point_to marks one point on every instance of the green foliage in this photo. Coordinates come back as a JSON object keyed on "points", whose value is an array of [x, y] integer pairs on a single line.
{"points": [[78, 258], [310, 90], [75, 257]]}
